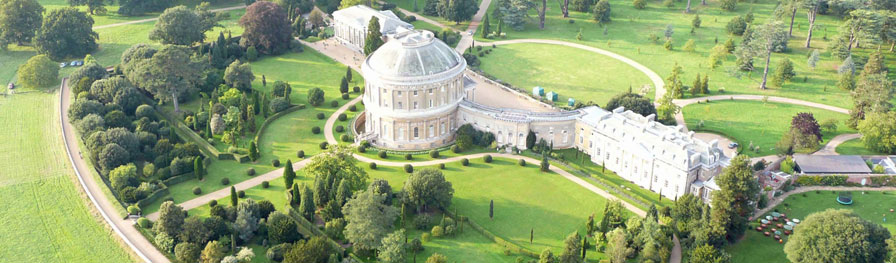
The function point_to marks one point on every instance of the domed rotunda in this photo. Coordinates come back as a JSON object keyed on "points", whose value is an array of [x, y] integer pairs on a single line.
{"points": [[414, 83]]}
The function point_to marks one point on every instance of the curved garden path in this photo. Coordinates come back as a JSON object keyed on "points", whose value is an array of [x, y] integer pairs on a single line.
{"points": [[156, 18], [122, 227], [831, 147]]}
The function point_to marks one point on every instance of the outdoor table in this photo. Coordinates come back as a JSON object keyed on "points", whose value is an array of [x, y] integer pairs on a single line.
{"points": [[796, 221], [788, 227], [764, 221]]}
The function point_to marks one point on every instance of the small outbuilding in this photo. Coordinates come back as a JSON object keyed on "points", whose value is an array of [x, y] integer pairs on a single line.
{"points": [[552, 96], [538, 91], [571, 102], [831, 164]]}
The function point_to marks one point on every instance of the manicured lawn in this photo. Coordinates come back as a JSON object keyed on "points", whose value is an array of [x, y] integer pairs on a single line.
{"points": [[762, 123], [855, 147], [420, 24], [629, 33], [873, 206], [525, 199], [347, 124], [45, 216], [597, 173], [571, 72]]}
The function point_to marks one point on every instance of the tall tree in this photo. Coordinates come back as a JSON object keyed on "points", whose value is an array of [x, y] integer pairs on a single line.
{"points": [[307, 205], [735, 201], [765, 39], [811, 12], [19, 20], [337, 161], [66, 32], [541, 14], [239, 75], [617, 246], [572, 249], [602, 11], [633, 102], [878, 131], [38, 72], [374, 38], [267, 28], [171, 219], [393, 248], [837, 236], [428, 188], [872, 94], [461, 10], [289, 175], [182, 26], [93, 6], [369, 219], [169, 75], [709, 254]]}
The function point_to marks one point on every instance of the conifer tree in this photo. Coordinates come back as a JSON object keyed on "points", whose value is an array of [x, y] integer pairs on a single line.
{"points": [[485, 27], [197, 167], [374, 37], [253, 151], [233, 198], [289, 175]]}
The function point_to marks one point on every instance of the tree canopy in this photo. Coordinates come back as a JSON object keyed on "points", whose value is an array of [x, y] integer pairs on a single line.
{"points": [[169, 75], [369, 219], [634, 102], [38, 72], [337, 161], [837, 235], [66, 32], [19, 20], [180, 25], [266, 28], [428, 188]]}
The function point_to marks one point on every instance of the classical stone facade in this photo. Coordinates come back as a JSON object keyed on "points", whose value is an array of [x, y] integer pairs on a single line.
{"points": [[665, 159], [414, 84], [350, 25], [417, 94]]}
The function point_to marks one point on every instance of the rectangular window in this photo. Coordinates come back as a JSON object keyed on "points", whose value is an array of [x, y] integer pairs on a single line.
{"points": [[415, 105], [415, 93], [399, 93], [430, 91], [399, 105], [430, 103], [432, 131], [442, 127]]}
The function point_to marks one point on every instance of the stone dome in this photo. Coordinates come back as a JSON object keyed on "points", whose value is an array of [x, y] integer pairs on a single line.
{"points": [[413, 54]]}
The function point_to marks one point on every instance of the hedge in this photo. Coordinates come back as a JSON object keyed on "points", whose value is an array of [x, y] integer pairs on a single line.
{"points": [[822, 180]]}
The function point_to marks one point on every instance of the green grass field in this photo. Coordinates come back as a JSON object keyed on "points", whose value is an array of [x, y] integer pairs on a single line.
{"points": [[583, 162], [873, 206], [855, 147], [525, 199], [571, 72], [112, 41], [762, 123], [629, 33], [45, 217]]}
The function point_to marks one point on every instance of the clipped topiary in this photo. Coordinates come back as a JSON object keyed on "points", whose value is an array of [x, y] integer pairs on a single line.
{"points": [[250, 171], [345, 138], [225, 181], [241, 194], [353, 108], [345, 96], [408, 156], [144, 223], [315, 130], [265, 184], [442, 166], [408, 168], [373, 165], [320, 116], [383, 154], [197, 190], [342, 117], [212, 203], [465, 162], [276, 162], [522, 162], [334, 104], [300, 154], [434, 154], [455, 149], [362, 149], [339, 128], [487, 158], [323, 145]]}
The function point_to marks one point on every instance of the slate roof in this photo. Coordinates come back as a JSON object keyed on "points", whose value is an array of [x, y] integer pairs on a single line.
{"points": [[831, 164]]}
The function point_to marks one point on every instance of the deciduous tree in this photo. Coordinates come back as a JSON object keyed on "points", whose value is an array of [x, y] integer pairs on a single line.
{"points": [[837, 236], [19, 20]]}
